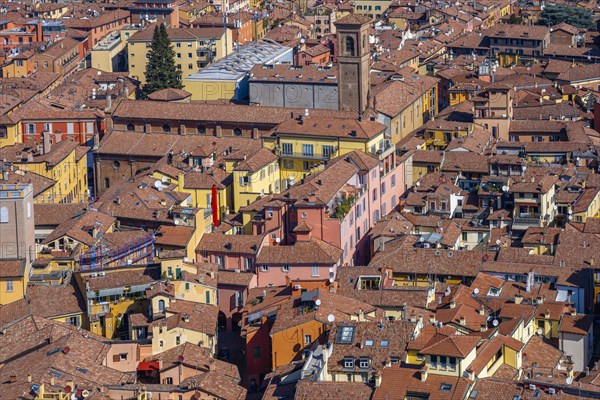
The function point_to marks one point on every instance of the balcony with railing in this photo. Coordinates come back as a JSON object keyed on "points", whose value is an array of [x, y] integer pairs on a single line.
{"points": [[306, 155], [382, 151]]}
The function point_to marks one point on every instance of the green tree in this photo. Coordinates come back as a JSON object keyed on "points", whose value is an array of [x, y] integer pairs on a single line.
{"points": [[515, 20], [161, 72], [576, 16]]}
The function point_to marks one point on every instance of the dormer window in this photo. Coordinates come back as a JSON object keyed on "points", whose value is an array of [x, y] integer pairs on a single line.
{"points": [[364, 363], [348, 363], [494, 292]]}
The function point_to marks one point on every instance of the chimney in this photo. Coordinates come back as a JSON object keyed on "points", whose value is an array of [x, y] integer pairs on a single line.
{"points": [[378, 379], [5, 175], [424, 374], [13, 378], [481, 310], [452, 304], [46, 145], [361, 315], [413, 318], [29, 378], [432, 318], [573, 311], [483, 328], [547, 314], [463, 320], [518, 299]]}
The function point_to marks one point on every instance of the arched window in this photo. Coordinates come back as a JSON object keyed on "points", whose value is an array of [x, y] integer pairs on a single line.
{"points": [[237, 132], [130, 127], [161, 306], [349, 46], [166, 128]]}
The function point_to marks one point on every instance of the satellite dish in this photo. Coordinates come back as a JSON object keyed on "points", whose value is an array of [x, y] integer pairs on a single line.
{"points": [[569, 380], [164, 179], [421, 239], [540, 331], [158, 185], [318, 302], [495, 322], [331, 269], [176, 222], [331, 280], [505, 188], [476, 290], [85, 393], [331, 274], [498, 241], [418, 184], [331, 318]]}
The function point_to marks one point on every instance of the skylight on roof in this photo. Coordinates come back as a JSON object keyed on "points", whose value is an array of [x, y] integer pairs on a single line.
{"points": [[493, 291], [445, 387], [345, 335], [369, 342], [385, 343]]}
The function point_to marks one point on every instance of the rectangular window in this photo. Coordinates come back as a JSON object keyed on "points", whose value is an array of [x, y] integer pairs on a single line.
{"points": [[288, 164], [177, 340], [264, 268], [375, 194], [287, 149], [256, 352], [348, 363], [308, 150], [315, 270], [393, 183], [10, 286], [286, 268], [443, 362], [434, 361], [452, 363], [382, 188], [70, 128], [328, 151], [307, 339], [306, 165], [30, 129]]}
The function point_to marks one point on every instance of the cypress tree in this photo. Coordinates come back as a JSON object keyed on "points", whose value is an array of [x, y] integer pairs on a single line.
{"points": [[161, 72]]}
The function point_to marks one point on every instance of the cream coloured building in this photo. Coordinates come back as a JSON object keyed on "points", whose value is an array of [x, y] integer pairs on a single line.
{"points": [[195, 48]]}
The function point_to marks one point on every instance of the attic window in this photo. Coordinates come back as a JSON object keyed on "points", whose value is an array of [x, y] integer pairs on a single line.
{"points": [[348, 363], [493, 292], [166, 128]]}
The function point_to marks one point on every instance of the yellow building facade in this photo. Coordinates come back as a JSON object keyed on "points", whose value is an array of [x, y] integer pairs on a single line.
{"points": [[194, 49]]}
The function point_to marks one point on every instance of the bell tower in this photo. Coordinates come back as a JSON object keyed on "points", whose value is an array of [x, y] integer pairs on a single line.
{"points": [[353, 61]]}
